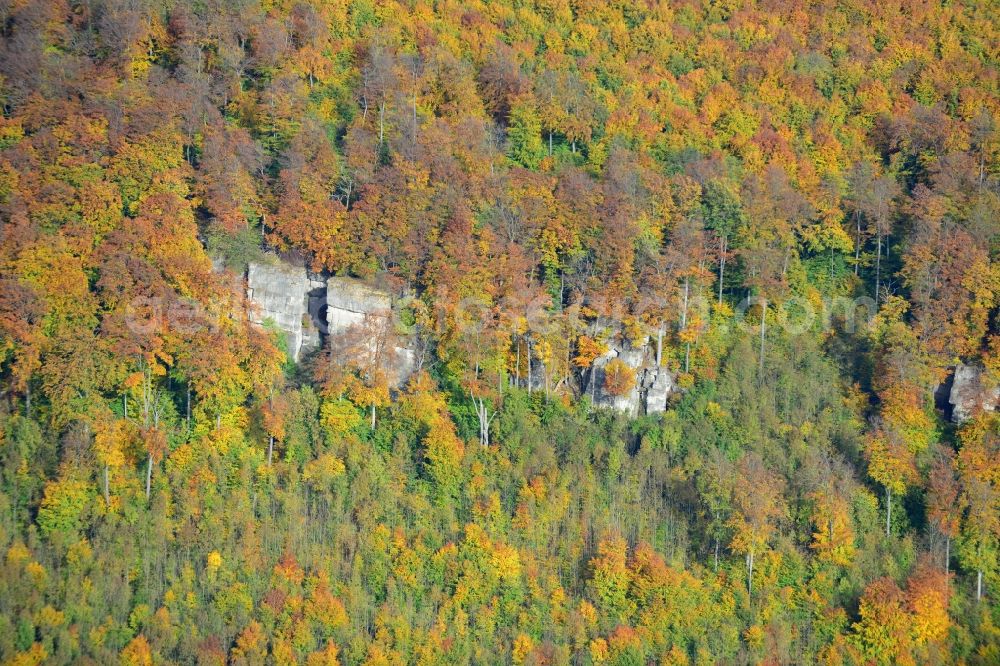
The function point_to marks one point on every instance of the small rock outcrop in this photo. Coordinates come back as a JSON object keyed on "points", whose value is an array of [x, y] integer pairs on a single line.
{"points": [[661, 385], [969, 394], [653, 385], [308, 308]]}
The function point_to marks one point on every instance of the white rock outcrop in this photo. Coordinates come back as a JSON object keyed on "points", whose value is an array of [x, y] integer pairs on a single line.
{"points": [[349, 302], [653, 385], [968, 393], [278, 292]]}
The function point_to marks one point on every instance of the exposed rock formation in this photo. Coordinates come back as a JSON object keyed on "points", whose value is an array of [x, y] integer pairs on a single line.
{"points": [[661, 385], [349, 302], [307, 308], [278, 290], [653, 385], [968, 393]]}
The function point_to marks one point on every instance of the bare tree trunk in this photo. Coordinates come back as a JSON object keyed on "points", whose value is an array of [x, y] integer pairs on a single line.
{"points": [[659, 346], [763, 328], [878, 268], [270, 450], [684, 314], [529, 365], [888, 510], [750, 573], [149, 474], [722, 264], [381, 123], [979, 585], [517, 365], [857, 243], [482, 413], [107, 488], [684, 322]]}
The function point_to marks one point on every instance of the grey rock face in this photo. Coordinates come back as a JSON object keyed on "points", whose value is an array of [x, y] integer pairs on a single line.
{"points": [[652, 384], [278, 290], [968, 393], [349, 302], [660, 387]]}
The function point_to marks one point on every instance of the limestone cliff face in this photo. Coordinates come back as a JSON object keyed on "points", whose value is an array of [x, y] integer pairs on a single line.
{"points": [[349, 302], [278, 291], [969, 393], [308, 309], [653, 385]]}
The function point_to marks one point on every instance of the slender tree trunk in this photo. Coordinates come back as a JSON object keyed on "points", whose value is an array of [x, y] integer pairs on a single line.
{"points": [[270, 450], [979, 585], [722, 264], [529, 366], [750, 573], [381, 123], [373, 416], [716, 554], [684, 322], [149, 474], [857, 242], [486, 423], [684, 314], [888, 510], [878, 267], [550, 142], [517, 365], [107, 488], [947, 555], [763, 328], [659, 346]]}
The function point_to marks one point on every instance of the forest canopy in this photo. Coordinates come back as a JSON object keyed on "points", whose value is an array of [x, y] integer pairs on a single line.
{"points": [[790, 211]]}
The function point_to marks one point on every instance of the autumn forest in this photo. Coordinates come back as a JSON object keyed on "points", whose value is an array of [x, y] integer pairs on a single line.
{"points": [[520, 332]]}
